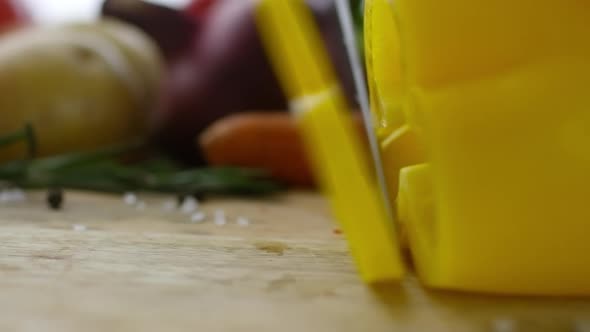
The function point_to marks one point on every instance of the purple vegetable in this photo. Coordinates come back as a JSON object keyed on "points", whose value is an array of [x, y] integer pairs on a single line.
{"points": [[222, 69], [171, 29]]}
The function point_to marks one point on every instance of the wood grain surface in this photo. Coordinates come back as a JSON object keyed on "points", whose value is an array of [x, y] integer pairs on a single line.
{"points": [[101, 265]]}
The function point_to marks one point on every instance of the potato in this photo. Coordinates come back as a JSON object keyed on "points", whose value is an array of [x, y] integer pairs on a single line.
{"points": [[81, 86]]}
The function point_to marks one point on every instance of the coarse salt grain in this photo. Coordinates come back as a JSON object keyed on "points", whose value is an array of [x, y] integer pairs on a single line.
{"points": [[219, 219], [130, 199], [4, 197], [79, 228], [189, 205], [12, 196], [18, 195], [198, 217], [242, 221]]}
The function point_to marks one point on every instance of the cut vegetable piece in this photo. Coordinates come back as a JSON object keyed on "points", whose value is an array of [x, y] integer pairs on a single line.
{"points": [[510, 159], [384, 66], [498, 94], [400, 149], [416, 214], [294, 45], [460, 40]]}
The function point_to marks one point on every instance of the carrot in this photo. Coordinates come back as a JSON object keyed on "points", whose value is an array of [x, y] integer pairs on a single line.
{"points": [[269, 141]]}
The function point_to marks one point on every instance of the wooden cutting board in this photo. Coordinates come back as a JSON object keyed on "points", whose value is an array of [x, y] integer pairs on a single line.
{"points": [[101, 265]]}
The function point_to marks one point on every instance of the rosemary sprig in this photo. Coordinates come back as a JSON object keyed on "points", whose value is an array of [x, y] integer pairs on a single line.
{"points": [[26, 134], [102, 170]]}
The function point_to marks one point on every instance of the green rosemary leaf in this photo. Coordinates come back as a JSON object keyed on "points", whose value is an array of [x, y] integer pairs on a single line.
{"points": [[26, 134], [102, 171], [76, 159], [13, 170]]}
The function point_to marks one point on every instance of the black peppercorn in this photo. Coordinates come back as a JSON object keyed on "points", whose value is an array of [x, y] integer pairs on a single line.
{"points": [[55, 198]]}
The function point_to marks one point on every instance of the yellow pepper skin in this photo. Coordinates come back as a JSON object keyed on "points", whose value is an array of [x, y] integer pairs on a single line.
{"points": [[293, 43], [498, 94]]}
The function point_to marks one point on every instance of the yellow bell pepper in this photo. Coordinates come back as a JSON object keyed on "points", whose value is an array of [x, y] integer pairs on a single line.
{"points": [[483, 116], [293, 43], [400, 146], [498, 93]]}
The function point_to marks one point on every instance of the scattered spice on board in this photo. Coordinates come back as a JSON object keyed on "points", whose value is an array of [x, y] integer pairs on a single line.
{"points": [[130, 198], [219, 218], [55, 198], [79, 228], [198, 217], [242, 221], [189, 205]]}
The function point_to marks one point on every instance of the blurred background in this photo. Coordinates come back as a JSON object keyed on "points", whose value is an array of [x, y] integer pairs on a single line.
{"points": [[187, 78], [59, 11]]}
